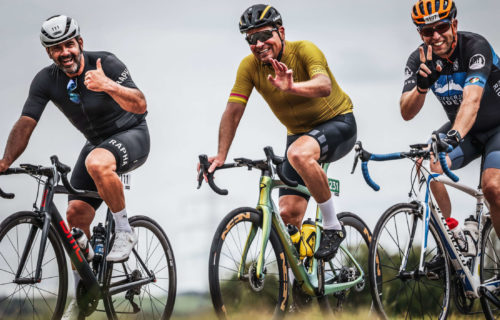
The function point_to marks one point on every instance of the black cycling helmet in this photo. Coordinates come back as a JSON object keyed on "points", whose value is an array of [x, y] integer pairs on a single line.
{"points": [[260, 15]]}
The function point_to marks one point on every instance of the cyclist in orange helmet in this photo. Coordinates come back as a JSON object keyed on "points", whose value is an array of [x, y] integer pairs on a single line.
{"points": [[463, 72]]}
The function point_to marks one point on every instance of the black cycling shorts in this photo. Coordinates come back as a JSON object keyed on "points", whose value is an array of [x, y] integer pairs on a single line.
{"points": [[336, 137], [473, 146], [130, 148]]}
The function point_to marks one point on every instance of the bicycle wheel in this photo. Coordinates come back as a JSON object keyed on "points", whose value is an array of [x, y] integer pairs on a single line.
{"points": [[35, 300], [490, 268], [152, 253], [406, 292], [342, 269], [233, 296]]}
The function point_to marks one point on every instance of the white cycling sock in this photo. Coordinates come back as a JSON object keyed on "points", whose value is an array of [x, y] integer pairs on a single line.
{"points": [[76, 278], [121, 221], [330, 220]]}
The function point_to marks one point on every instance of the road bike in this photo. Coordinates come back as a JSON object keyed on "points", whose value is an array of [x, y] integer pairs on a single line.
{"points": [[34, 273], [252, 252], [415, 260]]}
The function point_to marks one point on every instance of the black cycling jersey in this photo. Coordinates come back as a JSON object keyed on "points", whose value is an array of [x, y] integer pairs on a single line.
{"points": [[97, 115], [473, 62]]}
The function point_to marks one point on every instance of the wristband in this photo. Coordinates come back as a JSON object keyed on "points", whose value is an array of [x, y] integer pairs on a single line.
{"points": [[422, 92]]}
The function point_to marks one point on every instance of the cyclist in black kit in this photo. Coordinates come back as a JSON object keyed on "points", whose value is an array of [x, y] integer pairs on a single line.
{"points": [[463, 71], [95, 92]]}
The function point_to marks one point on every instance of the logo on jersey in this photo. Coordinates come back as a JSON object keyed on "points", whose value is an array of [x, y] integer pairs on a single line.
{"points": [[477, 62], [432, 18], [123, 76], [474, 80], [408, 73], [496, 87], [455, 65]]}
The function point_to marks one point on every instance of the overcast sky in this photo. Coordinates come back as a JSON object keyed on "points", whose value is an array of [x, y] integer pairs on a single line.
{"points": [[183, 55]]}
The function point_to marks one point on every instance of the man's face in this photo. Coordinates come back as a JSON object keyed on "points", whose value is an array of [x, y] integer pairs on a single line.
{"points": [[266, 49], [440, 42], [67, 55]]}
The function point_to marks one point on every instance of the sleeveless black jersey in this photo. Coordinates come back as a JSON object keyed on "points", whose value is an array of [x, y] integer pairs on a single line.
{"points": [[97, 115], [473, 62]]}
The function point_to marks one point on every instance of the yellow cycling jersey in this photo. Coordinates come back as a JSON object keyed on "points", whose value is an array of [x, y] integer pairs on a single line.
{"points": [[298, 114]]}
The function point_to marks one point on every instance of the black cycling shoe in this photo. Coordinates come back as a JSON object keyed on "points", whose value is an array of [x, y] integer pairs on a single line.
{"points": [[330, 242]]}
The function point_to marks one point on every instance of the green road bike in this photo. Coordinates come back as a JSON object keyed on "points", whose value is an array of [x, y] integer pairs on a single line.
{"points": [[252, 253]]}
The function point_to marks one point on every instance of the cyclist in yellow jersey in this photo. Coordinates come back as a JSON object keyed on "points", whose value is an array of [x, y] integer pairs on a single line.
{"points": [[296, 82]]}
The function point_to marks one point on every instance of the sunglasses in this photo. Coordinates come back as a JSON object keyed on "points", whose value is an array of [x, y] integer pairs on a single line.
{"points": [[260, 36], [439, 28], [71, 87]]}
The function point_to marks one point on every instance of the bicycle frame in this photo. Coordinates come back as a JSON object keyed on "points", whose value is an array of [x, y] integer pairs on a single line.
{"points": [[432, 214], [50, 216], [271, 217]]}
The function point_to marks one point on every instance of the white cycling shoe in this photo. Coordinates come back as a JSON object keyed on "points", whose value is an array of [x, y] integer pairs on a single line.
{"points": [[122, 246], [72, 311]]}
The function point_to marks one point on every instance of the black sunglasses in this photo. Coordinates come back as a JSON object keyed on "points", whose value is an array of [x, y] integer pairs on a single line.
{"points": [[439, 28], [260, 36]]}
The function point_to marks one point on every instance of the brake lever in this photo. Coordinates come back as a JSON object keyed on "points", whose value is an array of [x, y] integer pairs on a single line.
{"points": [[204, 165], [356, 158]]}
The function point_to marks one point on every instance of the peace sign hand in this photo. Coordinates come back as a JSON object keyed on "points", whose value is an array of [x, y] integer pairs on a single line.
{"points": [[284, 76], [429, 71], [96, 80]]}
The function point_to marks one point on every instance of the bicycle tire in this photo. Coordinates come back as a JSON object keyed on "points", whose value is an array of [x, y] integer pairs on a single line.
{"points": [[397, 294], [43, 300], [242, 297], [155, 299], [358, 237], [490, 266]]}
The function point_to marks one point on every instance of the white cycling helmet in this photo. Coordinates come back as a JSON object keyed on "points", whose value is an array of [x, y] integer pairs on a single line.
{"points": [[58, 29]]}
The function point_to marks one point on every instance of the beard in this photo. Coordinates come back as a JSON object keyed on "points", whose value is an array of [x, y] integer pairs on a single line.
{"points": [[74, 67]]}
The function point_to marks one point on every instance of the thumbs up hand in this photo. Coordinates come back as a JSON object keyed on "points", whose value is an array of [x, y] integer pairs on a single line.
{"points": [[96, 80]]}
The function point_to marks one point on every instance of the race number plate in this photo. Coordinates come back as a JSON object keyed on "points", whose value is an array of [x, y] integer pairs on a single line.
{"points": [[125, 177], [334, 186]]}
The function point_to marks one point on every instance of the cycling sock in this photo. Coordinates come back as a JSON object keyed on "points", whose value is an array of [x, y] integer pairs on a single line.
{"points": [[330, 220], [76, 278], [121, 221]]}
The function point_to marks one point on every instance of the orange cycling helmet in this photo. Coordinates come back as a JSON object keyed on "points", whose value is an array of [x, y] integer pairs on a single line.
{"points": [[430, 11]]}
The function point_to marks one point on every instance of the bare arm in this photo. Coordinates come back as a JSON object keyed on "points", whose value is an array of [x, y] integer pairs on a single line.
{"points": [[410, 103], [227, 130], [129, 99], [467, 113], [17, 141], [319, 85]]}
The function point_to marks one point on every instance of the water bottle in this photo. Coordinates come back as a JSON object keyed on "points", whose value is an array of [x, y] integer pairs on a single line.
{"points": [[308, 238], [83, 243], [294, 233], [98, 238], [458, 234], [471, 233]]}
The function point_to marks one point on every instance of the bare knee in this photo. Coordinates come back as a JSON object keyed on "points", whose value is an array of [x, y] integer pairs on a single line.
{"points": [[491, 190], [299, 157], [80, 214], [97, 168], [292, 209]]}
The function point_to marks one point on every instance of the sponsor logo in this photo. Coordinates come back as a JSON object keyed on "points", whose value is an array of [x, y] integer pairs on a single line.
{"points": [[440, 63], [450, 86], [123, 76], [408, 73], [122, 149], [432, 18], [455, 65], [72, 241], [477, 61], [234, 221], [496, 88]]}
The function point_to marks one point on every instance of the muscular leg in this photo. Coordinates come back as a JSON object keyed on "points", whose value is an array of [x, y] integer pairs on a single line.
{"points": [[491, 189], [439, 190], [80, 214], [303, 155], [292, 209], [101, 165]]}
